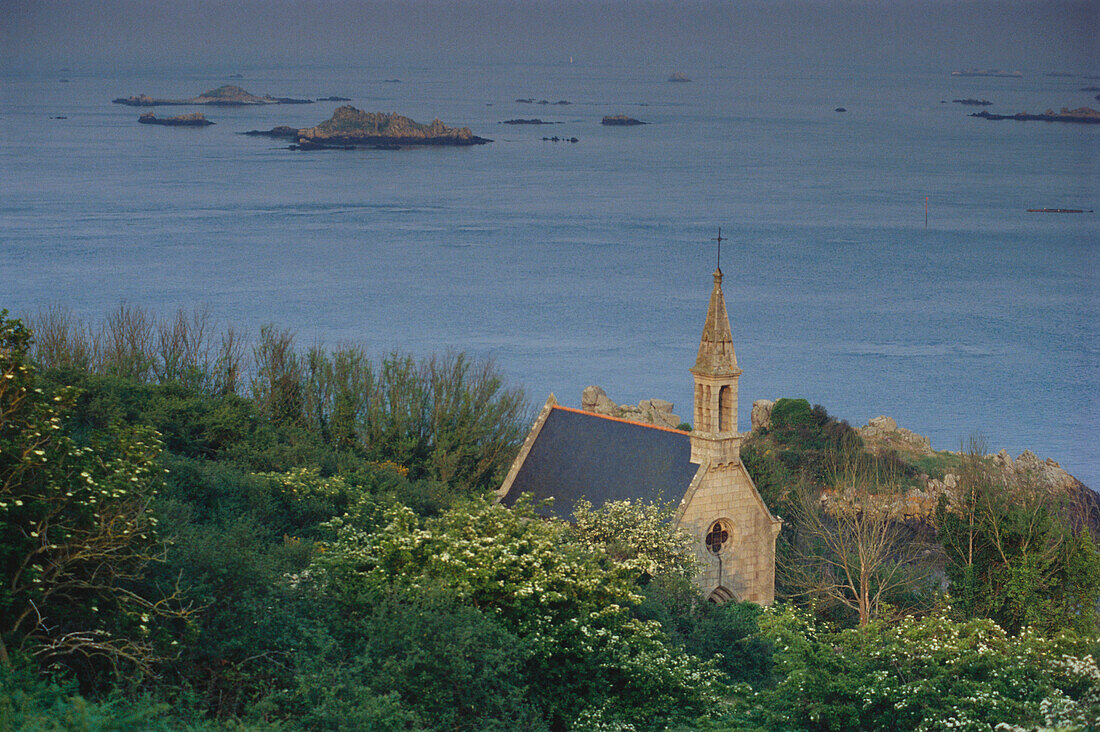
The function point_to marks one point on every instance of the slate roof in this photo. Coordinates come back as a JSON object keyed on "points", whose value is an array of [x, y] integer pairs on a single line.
{"points": [[583, 455]]}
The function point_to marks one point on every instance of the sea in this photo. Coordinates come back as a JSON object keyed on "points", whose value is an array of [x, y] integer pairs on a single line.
{"points": [[878, 261]]}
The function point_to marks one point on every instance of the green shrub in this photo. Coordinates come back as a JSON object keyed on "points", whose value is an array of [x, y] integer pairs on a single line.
{"points": [[33, 703], [418, 661], [926, 674]]}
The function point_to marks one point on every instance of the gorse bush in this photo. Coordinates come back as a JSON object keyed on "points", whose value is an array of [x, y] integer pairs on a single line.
{"points": [[798, 426]]}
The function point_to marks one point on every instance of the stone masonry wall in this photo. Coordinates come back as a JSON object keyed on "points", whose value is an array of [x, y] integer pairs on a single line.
{"points": [[747, 565]]}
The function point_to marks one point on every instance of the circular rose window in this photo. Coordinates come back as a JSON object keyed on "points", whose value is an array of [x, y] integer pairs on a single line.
{"points": [[718, 537]]}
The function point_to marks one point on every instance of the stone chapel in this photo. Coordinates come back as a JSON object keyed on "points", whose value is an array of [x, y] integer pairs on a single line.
{"points": [[571, 454]]}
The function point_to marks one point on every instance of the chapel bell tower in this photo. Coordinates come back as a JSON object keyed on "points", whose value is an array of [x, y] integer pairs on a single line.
{"points": [[714, 438]]}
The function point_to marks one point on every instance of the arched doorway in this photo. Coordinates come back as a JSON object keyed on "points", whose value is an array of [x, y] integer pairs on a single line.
{"points": [[722, 595]]}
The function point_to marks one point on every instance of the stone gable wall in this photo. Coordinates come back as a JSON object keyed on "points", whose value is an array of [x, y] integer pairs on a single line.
{"points": [[747, 566]]}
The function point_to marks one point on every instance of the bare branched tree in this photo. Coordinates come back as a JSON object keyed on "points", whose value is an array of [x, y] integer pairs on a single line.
{"points": [[851, 545]]}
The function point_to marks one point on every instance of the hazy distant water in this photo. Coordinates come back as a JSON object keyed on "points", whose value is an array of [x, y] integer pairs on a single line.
{"points": [[589, 263]]}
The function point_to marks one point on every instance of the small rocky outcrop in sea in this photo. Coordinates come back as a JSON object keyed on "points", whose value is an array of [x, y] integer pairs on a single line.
{"points": [[620, 120], [282, 132], [678, 77], [841, 109], [1081, 115], [973, 102], [650, 411], [532, 100], [535, 121], [224, 96], [989, 72], [333, 99], [555, 138], [195, 119], [350, 127]]}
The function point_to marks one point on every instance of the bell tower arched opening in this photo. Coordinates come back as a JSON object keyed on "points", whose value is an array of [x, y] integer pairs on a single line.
{"points": [[725, 409]]}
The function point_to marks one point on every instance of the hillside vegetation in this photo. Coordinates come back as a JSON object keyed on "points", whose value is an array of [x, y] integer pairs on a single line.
{"points": [[196, 535]]}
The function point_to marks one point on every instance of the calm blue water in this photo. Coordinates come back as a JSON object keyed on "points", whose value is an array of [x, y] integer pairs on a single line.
{"points": [[590, 263]]}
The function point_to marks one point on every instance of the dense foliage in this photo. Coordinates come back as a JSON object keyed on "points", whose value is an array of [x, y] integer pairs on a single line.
{"points": [[308, 541], [922, 674], [1012, 554]]}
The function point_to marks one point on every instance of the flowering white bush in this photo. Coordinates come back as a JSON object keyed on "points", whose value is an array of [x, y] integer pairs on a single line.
{"points": [[639, 536], [928, 674], [77, 531], [563, 596]]}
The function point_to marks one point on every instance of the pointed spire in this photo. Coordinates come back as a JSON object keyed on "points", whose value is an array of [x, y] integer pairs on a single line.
{"points": [[716, 356]]}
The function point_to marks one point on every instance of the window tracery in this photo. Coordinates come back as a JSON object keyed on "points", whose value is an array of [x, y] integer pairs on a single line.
{"points": [[719, 536]]}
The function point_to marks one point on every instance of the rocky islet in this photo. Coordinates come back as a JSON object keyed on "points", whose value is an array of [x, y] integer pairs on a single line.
{"points": [[195, 119], [228, 95], [620, 120], [351, 128], [1081, 115]]}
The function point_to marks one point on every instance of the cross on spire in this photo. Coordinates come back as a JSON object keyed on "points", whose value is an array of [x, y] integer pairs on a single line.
{"points": [[720, 239]]}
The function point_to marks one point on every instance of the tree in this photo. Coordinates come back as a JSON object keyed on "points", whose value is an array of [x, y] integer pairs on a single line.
{"points": [[850, 545], [77, 532], [1012, 553]]}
